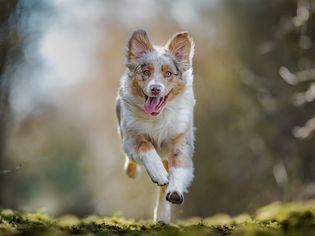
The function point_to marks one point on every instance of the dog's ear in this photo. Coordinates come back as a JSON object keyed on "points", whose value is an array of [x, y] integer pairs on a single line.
{"points": [[182, 47], [138, 44]]}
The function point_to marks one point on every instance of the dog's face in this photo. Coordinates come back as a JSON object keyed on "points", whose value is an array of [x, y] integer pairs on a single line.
{"points": [[156, 72]]}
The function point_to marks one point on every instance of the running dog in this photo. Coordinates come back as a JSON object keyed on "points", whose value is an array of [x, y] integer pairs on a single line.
{"points": [[155, 114]]}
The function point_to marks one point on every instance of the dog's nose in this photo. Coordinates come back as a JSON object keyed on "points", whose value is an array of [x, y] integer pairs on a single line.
{"points": [[155, 89]]}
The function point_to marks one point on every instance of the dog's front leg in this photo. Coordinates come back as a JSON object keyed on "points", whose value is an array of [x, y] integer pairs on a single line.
{"points": [[141, 150], [180, 168]]}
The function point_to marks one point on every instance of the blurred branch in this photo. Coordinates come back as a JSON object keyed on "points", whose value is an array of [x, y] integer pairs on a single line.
{"points": [[301, 98], [302, 13], [302, 16], [8, 171], [306, 130], [298, 77], [280, 174], [288, 25], [307, 192]]}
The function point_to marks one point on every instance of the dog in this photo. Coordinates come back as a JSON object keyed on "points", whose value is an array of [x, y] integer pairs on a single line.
{"points": [[155, 108]]}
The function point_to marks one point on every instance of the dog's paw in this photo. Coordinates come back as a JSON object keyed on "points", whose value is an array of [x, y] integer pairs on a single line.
{"points": [[132, 169], [159, 176], [161, 223], [155, 168], [175, 197]]}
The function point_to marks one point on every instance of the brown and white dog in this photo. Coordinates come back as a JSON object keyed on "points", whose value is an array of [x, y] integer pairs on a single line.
{"points": [[155, 113]]}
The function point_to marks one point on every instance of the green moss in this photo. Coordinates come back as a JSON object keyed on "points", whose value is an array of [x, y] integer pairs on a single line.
{"points": [[276, 219]]}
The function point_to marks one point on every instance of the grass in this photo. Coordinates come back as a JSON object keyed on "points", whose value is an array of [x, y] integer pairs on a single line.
{"points": [[295, 218]]}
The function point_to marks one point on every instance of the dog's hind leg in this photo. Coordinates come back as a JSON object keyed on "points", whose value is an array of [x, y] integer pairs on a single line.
{"points": [[157, 205], [162, 210], [131, 168]]}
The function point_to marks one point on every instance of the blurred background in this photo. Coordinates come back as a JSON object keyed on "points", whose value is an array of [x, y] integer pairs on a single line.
{"points": [[60, 65]]}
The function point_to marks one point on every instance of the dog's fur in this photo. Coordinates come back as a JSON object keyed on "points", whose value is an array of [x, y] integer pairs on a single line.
{"points": [[155, 113]]}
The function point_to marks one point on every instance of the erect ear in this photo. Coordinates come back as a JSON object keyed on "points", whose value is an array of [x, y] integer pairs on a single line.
{"points": [[181, 46], [138, 44]]}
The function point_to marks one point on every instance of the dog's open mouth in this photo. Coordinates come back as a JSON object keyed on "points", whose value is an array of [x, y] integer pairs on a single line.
{"points": [[154, 105]]}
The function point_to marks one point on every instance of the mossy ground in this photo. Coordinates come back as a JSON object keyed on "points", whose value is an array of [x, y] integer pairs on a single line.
{"points": [[274, 219]]}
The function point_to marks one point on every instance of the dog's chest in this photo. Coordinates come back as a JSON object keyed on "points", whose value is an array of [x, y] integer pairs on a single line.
{"points": [[164, 127]]}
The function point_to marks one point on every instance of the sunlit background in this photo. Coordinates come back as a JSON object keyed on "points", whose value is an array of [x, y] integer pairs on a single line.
{"points": [[60, 66]]}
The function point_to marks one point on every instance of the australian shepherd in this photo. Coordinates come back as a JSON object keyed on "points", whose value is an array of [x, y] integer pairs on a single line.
{"points": [[155, 113]]}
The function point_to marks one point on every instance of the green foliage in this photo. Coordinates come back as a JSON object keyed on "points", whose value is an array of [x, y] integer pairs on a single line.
{"points": [[275, 219]]}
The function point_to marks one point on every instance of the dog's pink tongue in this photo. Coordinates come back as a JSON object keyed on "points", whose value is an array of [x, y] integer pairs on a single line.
{"points": [[151, 105]]}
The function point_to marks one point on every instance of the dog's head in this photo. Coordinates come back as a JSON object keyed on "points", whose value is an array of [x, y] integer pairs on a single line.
{"points": [[156, 73]]}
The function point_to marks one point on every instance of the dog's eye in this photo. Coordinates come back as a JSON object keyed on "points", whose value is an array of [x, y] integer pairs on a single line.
{"points": [[146, 72], [168, 74]]}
